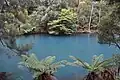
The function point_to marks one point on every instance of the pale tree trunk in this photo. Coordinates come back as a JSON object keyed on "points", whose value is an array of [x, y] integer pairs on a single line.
{"points": [[100, 13], [78, 8], [89, 26], [99, 17]]}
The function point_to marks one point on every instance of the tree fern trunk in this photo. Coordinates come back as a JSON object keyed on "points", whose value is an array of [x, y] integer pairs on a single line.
{"points": [[45, 76], [92, 76]]}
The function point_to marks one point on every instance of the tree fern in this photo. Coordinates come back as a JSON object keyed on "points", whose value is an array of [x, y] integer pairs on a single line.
{"points": [[97, 64], [99, 69], [39, 67]]}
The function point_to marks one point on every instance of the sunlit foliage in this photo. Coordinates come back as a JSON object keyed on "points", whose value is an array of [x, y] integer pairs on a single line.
{"points": [[39, 68], [65, 24]]}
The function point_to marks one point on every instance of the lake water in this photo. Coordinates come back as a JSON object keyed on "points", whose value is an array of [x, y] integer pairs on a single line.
{"points": [[83, 46]]}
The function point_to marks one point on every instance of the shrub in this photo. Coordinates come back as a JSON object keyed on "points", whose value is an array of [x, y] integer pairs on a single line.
{"points": [[65, 24]]}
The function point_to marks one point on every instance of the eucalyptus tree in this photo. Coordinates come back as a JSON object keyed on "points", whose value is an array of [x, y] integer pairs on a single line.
{"points": [[91, 13], [109, 29], [88, 14], [100, 9], [83, 11]]}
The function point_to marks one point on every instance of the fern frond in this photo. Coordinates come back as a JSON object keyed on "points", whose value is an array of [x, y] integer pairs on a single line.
{"points": [[38, 67], [98, 63], [48, 60], [97, 59]]}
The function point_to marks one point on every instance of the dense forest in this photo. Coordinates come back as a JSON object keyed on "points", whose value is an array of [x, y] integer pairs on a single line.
{"points": [[61, 17], [55, 16]]}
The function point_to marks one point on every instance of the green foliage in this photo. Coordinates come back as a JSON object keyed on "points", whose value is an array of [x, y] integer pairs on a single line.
{"points": [[98, 64], [35, 16], [109, 26], [31, 16], [19, 22], [10, 29], [39, 67], [99, 69], [116, 60], [9, 22], [65, 24], [84, 12]]}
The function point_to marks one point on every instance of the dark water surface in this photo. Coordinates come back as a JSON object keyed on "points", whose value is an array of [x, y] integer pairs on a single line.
{"points": [[83, 46]]}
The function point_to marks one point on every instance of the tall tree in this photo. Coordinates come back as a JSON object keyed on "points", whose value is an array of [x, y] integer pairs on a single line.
{"points": [[109, 30]]}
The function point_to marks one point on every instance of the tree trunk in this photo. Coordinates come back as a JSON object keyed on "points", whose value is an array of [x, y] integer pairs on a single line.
{"points": [[45, 76], [92, 76], [90, 18]]}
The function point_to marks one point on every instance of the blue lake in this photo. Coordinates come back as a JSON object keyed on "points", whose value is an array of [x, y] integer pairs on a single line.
{"points": [[83, 46]]}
